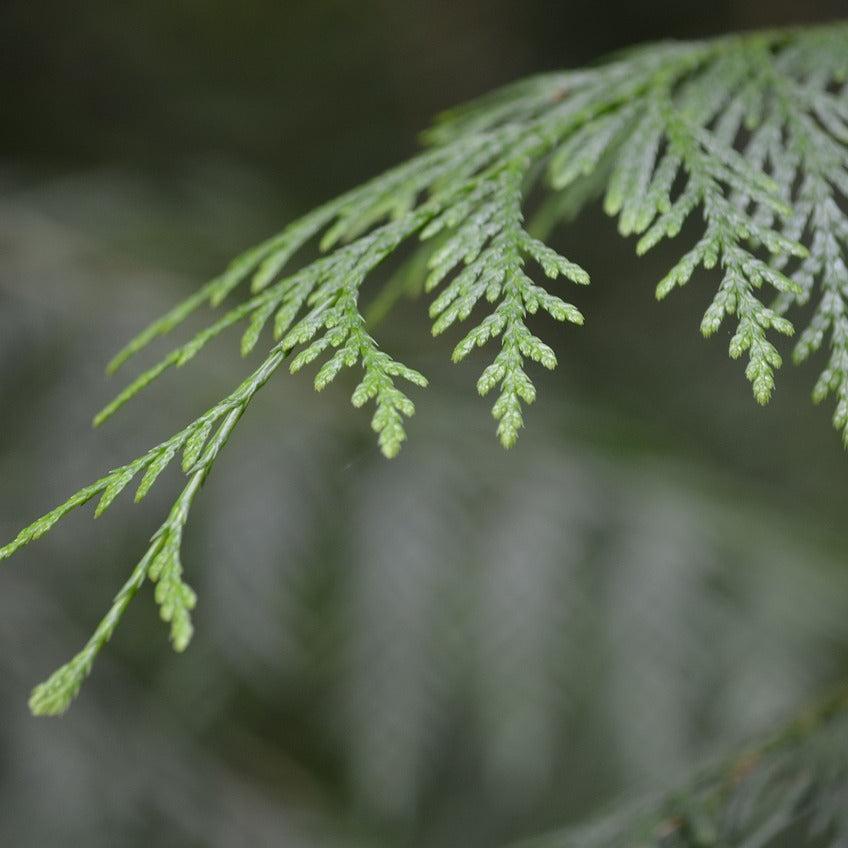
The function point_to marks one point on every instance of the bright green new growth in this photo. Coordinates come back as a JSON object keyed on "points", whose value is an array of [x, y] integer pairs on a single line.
{"points": [[750, 132]]}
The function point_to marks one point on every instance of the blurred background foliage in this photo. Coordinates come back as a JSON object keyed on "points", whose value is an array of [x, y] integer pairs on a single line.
{"points": [[460, 647]]}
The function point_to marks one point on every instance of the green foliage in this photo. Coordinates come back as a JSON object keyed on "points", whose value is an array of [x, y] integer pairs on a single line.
{"points": [[789, 790], [161, 562], [750, 132]]}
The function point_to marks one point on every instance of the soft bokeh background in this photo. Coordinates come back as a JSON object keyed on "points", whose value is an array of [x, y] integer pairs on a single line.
{"points": [[458, 648]]}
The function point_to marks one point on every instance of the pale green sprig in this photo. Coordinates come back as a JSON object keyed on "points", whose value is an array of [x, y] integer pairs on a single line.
{"points": [[714, 175], [815, 146], [491, 247], [161, 562], [335, 323]]}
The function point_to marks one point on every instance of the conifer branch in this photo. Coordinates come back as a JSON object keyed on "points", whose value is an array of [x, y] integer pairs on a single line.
{"points": [[749, 133], [789, 786], [161, 562]]}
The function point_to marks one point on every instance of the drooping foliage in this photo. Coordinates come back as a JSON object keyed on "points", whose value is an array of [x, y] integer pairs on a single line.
{"points": [[743, 139]]}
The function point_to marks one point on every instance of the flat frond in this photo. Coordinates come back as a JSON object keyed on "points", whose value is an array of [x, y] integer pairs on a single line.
{"points": [[740, 142]]}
